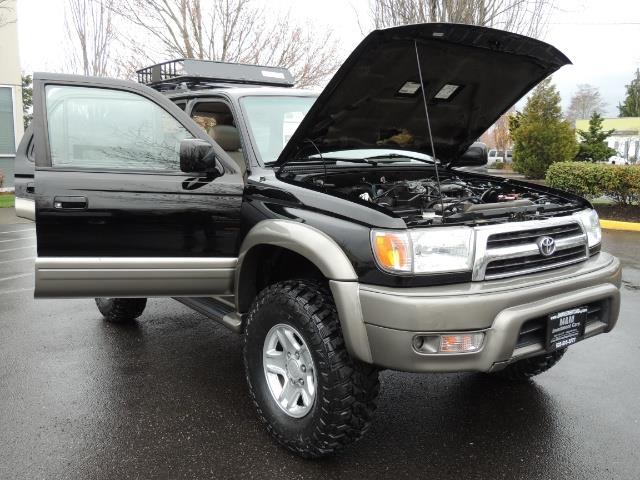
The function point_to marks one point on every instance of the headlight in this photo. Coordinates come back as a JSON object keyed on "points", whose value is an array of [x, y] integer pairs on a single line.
{"points": [[429, 250], [591, 224]]}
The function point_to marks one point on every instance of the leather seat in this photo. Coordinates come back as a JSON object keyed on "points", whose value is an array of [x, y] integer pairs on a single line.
{"points": [[228, 138]]}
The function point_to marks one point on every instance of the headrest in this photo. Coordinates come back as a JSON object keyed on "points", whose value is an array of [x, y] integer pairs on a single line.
{"points": [[226, 136]]}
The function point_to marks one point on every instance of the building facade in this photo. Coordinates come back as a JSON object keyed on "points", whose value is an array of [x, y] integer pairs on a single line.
{"points": [[11, 125], [625, 138]]}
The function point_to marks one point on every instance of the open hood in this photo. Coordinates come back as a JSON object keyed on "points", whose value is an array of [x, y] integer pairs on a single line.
{"points": [[472, 75]]}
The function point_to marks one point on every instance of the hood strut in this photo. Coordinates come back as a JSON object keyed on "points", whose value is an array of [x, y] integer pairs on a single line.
{"points": [[426, 114]]}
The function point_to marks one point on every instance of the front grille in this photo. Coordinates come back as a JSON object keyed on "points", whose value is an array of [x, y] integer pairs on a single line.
{"points": [[534, 331], [516, 253], [509, 239], [529, 263]]}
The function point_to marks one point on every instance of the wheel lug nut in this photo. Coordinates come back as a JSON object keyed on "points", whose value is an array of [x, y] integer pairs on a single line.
{"points": [[288, 354], [303, 368], [301, 382], [297, 355]]}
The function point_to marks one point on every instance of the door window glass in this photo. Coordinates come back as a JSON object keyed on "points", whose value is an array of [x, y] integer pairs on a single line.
{"points": [[102, 128]]}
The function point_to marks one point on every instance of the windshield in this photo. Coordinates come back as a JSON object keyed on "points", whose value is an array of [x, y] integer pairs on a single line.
{"points": [[272, 120]]}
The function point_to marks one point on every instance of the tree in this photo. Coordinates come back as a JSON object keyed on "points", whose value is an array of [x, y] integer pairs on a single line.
{"points": [[528, 17], [584, 103], [7, 13], [593, 146], [541, 136], [230, 31], [500, 131], [487, 139], [631, 105], [91, 32], [27, 99]]}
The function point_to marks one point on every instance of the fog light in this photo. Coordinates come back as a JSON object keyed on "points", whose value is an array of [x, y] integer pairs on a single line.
{"points": [[470, 342]]}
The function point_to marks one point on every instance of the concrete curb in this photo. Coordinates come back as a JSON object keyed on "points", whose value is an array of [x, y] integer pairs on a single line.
{"points": [[623, 226]]}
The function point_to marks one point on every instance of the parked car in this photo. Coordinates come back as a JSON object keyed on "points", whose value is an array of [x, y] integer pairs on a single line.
{"points": [[508, 156], [263, 207], [496, 155], [617, 160]]}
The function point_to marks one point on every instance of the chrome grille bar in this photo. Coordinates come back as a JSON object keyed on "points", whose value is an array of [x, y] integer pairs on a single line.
{"points": [[509, 250]]}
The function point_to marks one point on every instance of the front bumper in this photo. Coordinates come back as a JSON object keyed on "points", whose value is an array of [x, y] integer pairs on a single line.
{"points": [[379, 323]]}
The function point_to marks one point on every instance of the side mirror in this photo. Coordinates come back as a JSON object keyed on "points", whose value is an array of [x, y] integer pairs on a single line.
{"points": [[476, 156], [197, 157]]}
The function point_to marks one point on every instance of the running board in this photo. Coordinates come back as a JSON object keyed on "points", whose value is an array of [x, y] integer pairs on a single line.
{"points": [[218, 310]]}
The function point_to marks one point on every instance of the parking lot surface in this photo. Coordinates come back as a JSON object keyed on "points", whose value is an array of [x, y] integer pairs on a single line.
{"points": [[166, 398]]}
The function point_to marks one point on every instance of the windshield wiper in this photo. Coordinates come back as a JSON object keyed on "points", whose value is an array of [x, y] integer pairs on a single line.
{"points": [[374, 160], [398, 155]]}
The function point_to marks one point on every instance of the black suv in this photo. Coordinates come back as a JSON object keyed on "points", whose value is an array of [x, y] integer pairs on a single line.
{"points": [[334, 231]]}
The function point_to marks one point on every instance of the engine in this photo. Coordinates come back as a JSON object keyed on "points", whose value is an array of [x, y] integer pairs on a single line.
{"points": [[452, 198]]}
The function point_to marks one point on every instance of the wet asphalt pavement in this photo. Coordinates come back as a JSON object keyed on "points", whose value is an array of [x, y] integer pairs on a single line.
{"points": [[166, 398]]}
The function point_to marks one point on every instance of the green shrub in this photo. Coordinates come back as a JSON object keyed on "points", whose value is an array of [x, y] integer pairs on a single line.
{"points": [[1, 178], [623, 183], [497, 165], [620, 182]]}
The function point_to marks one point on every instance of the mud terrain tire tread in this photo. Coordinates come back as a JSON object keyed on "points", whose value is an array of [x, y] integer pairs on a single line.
{"points": [[121, 310], [347, 389], [530, 367]]}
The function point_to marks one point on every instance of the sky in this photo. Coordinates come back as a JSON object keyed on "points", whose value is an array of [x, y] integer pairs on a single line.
{"points": [[602, 38]]}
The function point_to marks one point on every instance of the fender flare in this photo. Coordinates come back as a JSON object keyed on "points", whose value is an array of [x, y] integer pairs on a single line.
{"points": [[321, 250], [313, 244]]}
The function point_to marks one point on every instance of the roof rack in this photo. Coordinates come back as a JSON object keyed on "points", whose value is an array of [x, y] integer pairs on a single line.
{"points": [[190, 73]]}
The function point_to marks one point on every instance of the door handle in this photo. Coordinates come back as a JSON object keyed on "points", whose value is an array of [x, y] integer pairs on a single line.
{"points": [[31, 187], [70, 203]]}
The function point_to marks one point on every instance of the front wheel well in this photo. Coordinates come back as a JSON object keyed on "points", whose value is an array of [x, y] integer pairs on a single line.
{"points": [[264, 265]]}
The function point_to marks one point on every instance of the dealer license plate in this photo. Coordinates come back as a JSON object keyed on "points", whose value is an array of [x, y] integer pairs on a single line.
{"points": [[566, 328]]}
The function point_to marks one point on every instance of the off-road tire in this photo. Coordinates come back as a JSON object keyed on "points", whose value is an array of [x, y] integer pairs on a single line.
{"points": [[530, 367], [121, 310], [346, 389]]}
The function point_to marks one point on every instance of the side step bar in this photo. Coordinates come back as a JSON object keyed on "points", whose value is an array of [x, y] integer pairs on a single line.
{"points": [[215, 309]]}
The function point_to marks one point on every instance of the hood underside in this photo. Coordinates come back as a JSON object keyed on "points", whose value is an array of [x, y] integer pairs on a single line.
{"points": [[471, 75]]}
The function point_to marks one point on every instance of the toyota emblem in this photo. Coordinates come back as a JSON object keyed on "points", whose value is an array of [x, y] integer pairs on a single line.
{"points": [[546, 245]]}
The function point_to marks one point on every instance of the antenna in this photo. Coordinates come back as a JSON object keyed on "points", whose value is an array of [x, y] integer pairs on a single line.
{"points": [[324, 165], [426, 113]]}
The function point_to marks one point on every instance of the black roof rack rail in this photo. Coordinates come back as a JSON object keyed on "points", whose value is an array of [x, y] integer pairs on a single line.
{"points": [[191, 73]]}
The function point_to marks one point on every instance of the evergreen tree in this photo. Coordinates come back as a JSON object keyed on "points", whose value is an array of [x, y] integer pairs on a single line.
{"points": [[541, 136], [593, 146], [27, 99], [631, 105]]}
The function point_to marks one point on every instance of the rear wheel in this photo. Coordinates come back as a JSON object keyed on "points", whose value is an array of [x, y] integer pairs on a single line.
{"points": [[312, 396], [530, 367], [121, 310]]}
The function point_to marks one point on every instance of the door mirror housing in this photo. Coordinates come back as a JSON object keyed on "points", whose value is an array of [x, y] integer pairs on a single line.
{"points": [[198, 157], [475, 156]]}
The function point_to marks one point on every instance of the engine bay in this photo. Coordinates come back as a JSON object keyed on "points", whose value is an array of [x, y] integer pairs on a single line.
{"points": [[422, 197]]}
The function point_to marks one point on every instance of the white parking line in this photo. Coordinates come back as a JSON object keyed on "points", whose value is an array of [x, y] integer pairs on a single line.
{"points": [[17, 260], [14, 249], [13, 277], [17, 239], [16, 231], [17, 290]]}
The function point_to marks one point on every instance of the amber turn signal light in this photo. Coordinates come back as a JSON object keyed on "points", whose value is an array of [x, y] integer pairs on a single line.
{"points": [[392, 250]]}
